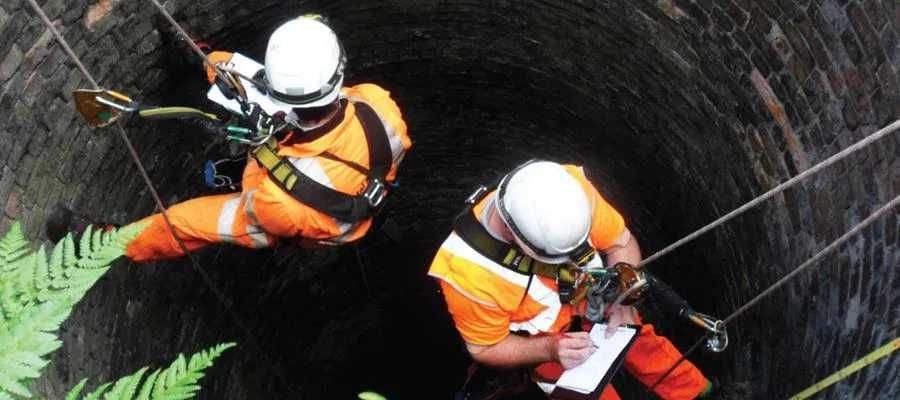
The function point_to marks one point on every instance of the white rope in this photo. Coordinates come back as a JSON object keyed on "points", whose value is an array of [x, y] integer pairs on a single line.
{"points": [[777, 189]]}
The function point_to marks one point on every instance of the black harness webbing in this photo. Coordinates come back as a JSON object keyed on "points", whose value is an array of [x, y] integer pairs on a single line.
{"points": [[342, 206], [508, 255]]}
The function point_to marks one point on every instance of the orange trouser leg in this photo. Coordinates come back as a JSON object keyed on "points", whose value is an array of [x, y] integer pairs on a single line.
{"points": [[609, 393], [651, 356], [198, 223]]}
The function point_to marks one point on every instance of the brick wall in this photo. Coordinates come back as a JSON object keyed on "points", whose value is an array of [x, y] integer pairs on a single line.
{"points": [[681, 110]]}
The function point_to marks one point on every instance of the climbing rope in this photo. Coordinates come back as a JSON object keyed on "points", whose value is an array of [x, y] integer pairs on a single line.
{"points": [[159, 204], [806, 264], [777, 189], [185, 36]]}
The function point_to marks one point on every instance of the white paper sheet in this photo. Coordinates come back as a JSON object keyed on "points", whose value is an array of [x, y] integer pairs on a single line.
{"points": [[585, 377], [248, 67]]}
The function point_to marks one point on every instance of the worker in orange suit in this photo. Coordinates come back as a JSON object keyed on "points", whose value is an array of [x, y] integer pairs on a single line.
{"points": [[549, 213], [331, 167]]}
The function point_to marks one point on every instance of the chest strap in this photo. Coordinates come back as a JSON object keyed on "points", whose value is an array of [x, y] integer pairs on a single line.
{"points": [[509, 256], [342, 206]]}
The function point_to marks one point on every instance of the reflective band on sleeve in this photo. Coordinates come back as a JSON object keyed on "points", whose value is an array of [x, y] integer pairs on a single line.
{"points": [[226, 219], [537, 291], [462, 291]]}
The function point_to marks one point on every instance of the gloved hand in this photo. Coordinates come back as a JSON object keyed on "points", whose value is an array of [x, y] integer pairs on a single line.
{"points": [[216, 57], [572, 348]]}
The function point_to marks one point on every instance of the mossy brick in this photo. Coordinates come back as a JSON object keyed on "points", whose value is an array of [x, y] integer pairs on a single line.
{"points": [[10, 63], [692, 9], [814, 42], [865, 32], [54, 8], [9, 32]]}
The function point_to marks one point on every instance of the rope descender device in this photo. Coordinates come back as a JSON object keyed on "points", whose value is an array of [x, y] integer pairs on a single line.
{"points": [[623, 284], [102, 107]]}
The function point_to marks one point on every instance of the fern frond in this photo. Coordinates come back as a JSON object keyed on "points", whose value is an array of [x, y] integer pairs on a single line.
{"points": [[76, 391], [99, 248], [125, 388], [178, 381], [26, 341], [37, 295], [56, 268], [148, 386], [181, 377], [95, 395], [13, 246]]}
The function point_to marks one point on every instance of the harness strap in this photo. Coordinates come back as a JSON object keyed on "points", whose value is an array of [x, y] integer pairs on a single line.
{"points": [[477, 237], [342, 206]]}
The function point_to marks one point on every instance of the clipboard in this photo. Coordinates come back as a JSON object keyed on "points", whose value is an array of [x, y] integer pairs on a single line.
{"points": [[561, 393]]}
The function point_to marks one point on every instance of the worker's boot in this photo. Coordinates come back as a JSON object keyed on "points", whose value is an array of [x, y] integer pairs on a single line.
{"points": [[62, 221]]}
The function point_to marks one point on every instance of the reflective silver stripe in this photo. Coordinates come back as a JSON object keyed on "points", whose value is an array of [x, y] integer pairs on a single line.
{"points": [[260, 238], [312, 168], [396, 143], [345, 236], [537, 290], [226, 219]]}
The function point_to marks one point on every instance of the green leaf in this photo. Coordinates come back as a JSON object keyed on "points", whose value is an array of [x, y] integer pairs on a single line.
{"points": [[125, 387], [13, 246], [76, 391], [95, 395], [37, 295], [179, 381], [148, 386], [369, 395]]}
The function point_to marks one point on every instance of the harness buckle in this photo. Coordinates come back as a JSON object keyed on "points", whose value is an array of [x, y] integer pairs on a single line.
{"points": [[375, 193]]}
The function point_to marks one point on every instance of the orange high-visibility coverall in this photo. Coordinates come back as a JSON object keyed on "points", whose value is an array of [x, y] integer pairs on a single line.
{"points": [[262, 211], [487, 301]]}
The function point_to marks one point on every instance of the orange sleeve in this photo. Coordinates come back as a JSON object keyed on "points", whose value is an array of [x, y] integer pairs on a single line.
{"points": [[477, 323], [215, 58], [607, 224]]}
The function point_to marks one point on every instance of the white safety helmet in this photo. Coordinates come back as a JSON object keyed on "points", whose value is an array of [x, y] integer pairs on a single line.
{"points": [[547, 211], [304, 64]]}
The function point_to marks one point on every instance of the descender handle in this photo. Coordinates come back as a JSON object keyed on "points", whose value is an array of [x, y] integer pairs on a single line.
{"points": [[672, 302]]}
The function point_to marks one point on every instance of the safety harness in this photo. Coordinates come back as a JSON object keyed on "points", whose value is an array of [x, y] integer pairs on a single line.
{"points": [[510, 256], [342, 206]]}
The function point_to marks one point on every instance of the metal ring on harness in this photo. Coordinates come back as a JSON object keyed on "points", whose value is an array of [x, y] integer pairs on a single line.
{"points": [[375, 193]]}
